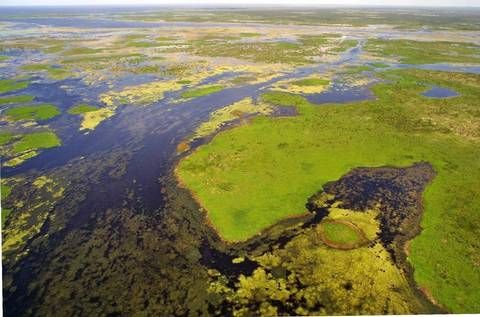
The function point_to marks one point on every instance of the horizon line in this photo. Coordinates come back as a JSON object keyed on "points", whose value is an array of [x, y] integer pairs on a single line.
{"points": [[238, 5]]}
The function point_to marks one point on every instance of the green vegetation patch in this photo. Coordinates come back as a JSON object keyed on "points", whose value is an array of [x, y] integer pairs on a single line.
{"points": [[6, 137], [6, 190], [252, 176], [53, 72], [418, 52], [16, 99], [202, 91], [7, 85], [35, 112], [341, 234], [81, 108], [311, 82], [37, 140]]}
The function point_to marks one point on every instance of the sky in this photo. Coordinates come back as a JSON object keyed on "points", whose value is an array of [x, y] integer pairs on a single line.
{"points": [[433, 3]]}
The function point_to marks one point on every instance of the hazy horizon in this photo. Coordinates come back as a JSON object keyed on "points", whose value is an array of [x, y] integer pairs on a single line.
{"points": [[245, 3]]}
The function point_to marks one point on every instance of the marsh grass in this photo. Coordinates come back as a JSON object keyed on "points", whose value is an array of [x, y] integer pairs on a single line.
{"points": [[202, 91], [7, 85], [81, 108], [34, 112], [36, 140], [420, 52], [16, 99], [272, 166]]}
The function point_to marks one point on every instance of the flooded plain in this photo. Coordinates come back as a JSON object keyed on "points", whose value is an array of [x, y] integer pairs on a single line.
{"points": [[122, 225]]}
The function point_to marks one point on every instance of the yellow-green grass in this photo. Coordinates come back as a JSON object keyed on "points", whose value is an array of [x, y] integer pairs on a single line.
{"points": [[91, 119], [202, 91], [231, 112], [35, 112], [16, 99], [36, 140], [341, 233], [81, 108], [22, 157], [252, 176], [7, 85], [6, 190]]}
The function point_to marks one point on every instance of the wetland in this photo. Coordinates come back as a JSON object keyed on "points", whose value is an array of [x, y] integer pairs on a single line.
{"points": [[239, 162]]}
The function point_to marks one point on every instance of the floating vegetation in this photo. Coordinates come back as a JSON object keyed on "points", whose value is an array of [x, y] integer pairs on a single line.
{"points": [[91, 119], [36, 140], [29, 218], [16, 99], [201, 91], [35, 112], [7, 85], [19, 159], [140, 95]]}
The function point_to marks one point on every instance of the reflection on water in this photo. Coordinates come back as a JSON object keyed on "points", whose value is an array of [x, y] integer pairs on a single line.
{"points": [[339, 93]]}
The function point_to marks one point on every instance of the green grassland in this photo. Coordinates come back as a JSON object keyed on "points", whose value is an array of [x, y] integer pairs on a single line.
{"points": [[16, 99], [35, 112], [417, 52], [252, 176], [202, 91], [7, 85], [36, 140], [405, 18], [81, 108]]}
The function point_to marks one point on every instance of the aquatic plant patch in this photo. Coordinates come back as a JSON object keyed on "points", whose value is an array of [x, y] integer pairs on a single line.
{"points": [[16, 99], [7, 85], [201, 91], [34, 112], [36, 140], [82, 108]]}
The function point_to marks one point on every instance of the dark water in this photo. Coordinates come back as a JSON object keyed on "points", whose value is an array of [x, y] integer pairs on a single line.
{"points": [[439, 92]]}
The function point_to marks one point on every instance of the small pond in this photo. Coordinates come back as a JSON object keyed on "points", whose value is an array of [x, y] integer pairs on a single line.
{"points": [[439, 92]]}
